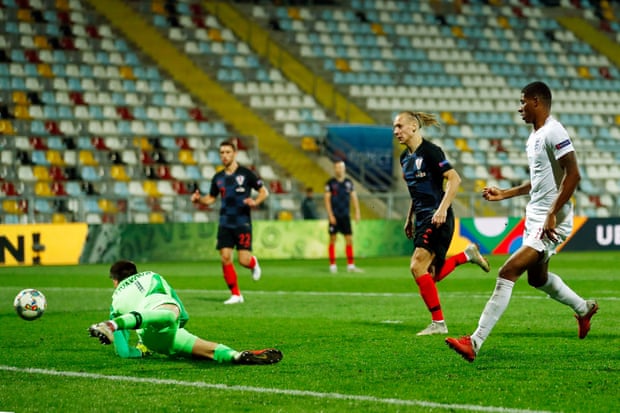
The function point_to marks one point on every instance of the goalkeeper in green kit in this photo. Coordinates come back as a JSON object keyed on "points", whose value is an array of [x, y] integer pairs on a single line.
{"points": [[145, 302]]}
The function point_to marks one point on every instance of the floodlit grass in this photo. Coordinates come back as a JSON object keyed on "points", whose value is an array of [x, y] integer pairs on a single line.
{"points": [[349, 343]]}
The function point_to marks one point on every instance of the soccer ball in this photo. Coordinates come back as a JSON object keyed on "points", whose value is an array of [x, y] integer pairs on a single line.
{"points": [[30, 304]]}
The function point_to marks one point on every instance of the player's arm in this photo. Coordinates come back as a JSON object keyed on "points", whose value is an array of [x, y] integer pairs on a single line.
{"points": [[409, 221], [453, 181], [494, 193], [356, 206], [199, 199], [328, 206], [263, 193], [569, 183]]}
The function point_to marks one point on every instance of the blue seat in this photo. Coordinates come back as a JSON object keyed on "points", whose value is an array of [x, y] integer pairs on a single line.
{"points": [[193, 172], [73, 188], [121, 189], [92, 206], [42, 206], [90, 174], [38, 158]]}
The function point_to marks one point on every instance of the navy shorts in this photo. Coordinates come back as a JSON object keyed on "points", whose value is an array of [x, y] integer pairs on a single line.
{"points": [[434, 239], [343, 225], [234, 237]]}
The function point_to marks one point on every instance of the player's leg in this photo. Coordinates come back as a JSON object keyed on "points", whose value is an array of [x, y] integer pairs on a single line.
{"points": [[225, 244], [347, 231], [539, 277], [509, 273], [189, 344], [331, 248], [470, 254], [230, 276], [244, 250], [421, 260]]}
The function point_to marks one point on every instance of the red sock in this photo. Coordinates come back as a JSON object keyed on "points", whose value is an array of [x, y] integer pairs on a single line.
{"points": [[332, 254], [230, 276], [349, 252], [252, 263], [449, 265], [429, 294]]}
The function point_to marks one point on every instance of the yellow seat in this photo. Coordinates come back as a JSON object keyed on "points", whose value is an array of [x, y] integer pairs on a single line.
{"points": [[186, 157], [150, 188], [503, 22], [448, 118], [107, 206], [157, 7], [54, 157], [142, 143], [377, 28], [87, 158], [20, 98], [583, 71], [119, 173], [22, 112], [157, 218], [6, 127], [43, 189], [62, 5], [126, 72], [58, 218], [41, 42], [342, 65], [308, 143], [285, 216], [461, 144], [45, 70], [293, 13], [457, 31], [10, 206], [215, 35], [41, 173], [479, 185], [24, 15]]}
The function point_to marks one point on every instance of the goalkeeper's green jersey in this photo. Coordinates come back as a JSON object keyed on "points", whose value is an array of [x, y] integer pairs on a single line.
{"points": [[132, 292]]}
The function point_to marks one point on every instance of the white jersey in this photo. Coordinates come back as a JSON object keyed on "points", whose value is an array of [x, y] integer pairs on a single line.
{"points": [[544, 147]]}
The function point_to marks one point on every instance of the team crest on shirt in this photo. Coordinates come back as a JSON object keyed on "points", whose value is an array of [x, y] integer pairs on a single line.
{"points": [[418, 163], [240, 180], [418, 167]]}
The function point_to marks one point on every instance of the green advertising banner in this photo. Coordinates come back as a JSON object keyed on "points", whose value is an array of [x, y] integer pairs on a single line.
{"points": [[271, 239]]}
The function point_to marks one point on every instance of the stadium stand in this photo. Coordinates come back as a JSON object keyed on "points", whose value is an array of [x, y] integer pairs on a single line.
{"points": [[92, 130]]}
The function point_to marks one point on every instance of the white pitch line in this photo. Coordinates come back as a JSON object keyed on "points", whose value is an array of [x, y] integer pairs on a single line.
{"points": [[484, 295], [285, 392]]}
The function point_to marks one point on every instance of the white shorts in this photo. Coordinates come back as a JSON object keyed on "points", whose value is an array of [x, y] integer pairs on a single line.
{"points": [[532, 235]]}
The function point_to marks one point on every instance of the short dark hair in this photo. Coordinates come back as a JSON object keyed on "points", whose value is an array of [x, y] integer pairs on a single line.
{"points": [[122, 269], [539, 90], [229, 143]]}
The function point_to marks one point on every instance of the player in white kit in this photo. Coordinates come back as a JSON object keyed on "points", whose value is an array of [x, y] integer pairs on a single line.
{"points": [[554, 176]]}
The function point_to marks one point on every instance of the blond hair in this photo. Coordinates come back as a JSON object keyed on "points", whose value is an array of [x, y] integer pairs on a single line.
{"points": [[423, 118]]}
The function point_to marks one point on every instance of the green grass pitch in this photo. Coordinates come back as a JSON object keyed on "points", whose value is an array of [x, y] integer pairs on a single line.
{"points": [[349, 343]]}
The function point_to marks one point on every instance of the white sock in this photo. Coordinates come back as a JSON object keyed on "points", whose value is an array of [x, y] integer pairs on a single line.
{"points": [[493, 310], [559, 291]]}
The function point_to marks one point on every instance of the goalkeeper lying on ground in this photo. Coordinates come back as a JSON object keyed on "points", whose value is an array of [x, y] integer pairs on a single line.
{"points": [[145, 302]]}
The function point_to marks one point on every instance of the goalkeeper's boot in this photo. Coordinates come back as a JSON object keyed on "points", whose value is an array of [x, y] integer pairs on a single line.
{"points": [[463, 346], [584, 320], [104, 331], [266, 356], [475, 257]]}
